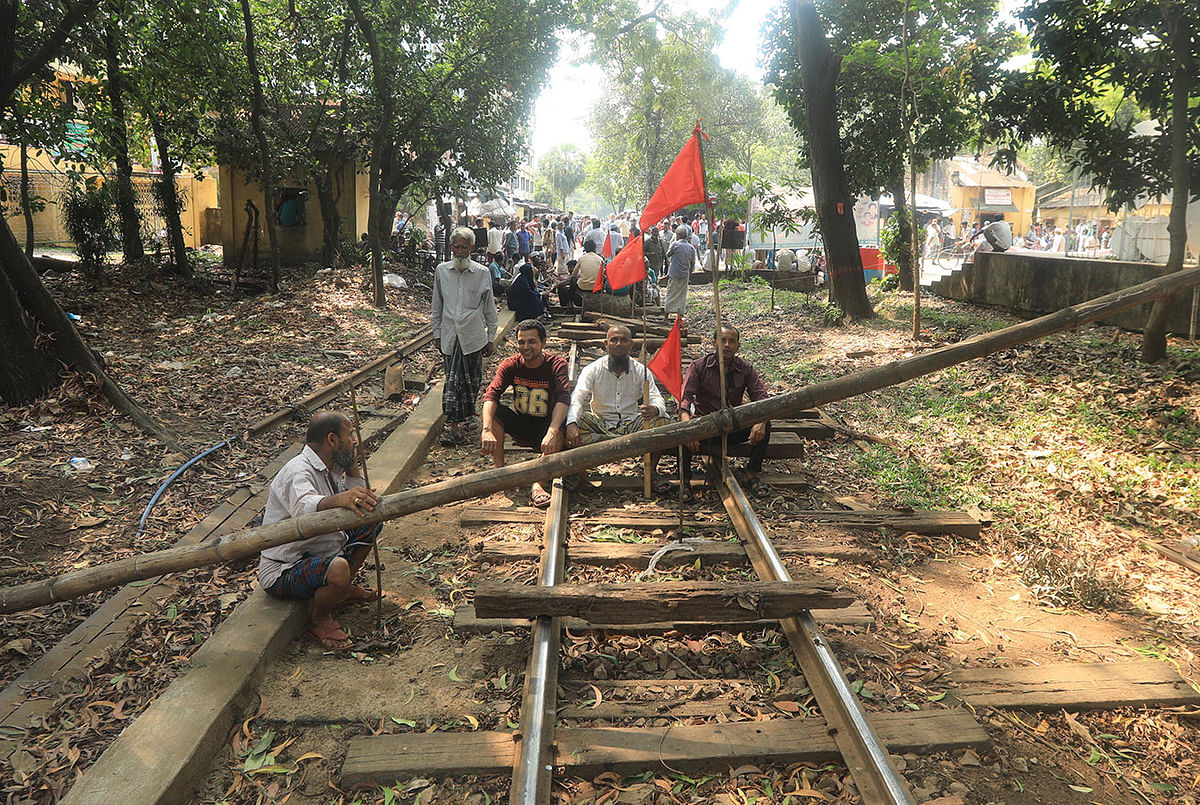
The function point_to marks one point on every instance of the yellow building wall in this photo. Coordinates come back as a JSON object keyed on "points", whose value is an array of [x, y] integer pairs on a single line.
{"points": [[297, 244], [969, 199], [49, 180]]}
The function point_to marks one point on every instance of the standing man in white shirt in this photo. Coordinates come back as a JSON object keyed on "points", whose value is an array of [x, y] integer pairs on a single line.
{"points": [[495, 245], [608, 398], [464, 322]]}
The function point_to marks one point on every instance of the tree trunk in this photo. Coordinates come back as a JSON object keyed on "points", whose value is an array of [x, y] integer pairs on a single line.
{"points": [[131, 223], [266, 164], [331, 220], [169, 198], [901, 209], [26, 201], [26, 372], [819, 69], [381, 152], [69, 346], [1154, 337], [479, 484]]}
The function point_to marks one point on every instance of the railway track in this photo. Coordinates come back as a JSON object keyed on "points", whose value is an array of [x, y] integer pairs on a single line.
{"points": [[453, 704]]}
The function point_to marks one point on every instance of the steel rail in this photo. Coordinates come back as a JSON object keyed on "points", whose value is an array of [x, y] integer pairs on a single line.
{"points": [[864, 754], [423, 337], [532, 767]]}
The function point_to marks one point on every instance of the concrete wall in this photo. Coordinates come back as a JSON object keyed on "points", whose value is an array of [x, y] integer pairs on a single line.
{"points": [[1033, 284]]}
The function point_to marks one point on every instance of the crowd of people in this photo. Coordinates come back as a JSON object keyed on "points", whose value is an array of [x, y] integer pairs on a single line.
{"points": [[1085, 237], [560, 258]]}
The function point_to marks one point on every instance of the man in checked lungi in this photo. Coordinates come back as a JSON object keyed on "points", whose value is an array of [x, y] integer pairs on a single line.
{"points": [[320, 569], [464, 324]]}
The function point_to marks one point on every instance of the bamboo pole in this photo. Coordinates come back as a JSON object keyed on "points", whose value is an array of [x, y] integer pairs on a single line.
{"points": [[250, 541], [361, 456], [647, 468], [716, 287]]}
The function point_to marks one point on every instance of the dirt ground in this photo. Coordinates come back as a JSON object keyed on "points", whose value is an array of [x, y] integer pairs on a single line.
{"points": [[1071, 450]]}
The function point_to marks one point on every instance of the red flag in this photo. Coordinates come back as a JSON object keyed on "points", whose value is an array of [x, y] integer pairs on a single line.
{"points": [[628, 267], [682, 185], [667, 363], [606, 249]]}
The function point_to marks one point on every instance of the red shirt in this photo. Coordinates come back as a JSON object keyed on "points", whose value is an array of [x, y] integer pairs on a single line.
{"points": [[535, 391], [702, 389]]}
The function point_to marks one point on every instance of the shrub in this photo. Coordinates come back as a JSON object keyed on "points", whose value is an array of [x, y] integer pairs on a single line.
{"points": [[90, 218]]}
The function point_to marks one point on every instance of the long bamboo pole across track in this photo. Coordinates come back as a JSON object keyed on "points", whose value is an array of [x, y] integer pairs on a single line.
{"points": [[250, 541]]}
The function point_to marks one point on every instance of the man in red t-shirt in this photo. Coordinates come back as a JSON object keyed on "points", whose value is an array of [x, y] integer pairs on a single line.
{"points": [[541, 394]]}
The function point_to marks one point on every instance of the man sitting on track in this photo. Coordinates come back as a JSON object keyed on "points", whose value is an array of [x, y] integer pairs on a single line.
{"points": [[541, 394], [607, 401], [702, 395], [320, 569]]}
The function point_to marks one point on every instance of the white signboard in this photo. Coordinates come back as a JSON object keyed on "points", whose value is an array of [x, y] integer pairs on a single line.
{"points": [[997, 197]]}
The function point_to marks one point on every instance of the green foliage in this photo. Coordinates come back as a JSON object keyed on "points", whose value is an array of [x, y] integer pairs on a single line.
{"points": [[561, 170], [89, 215], [896, 249], [662, 76], [1099, 69], [956, 47]]}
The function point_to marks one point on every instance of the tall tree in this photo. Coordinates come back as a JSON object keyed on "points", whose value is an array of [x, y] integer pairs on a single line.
{"points": [[266, 163], [30, 37], [118, 140], [805, 70], [1148, 52], [562, 169], [662, 75], [451, 86]]}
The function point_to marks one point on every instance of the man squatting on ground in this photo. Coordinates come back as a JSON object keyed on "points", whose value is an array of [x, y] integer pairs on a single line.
{"points": [[320, 569], [702, 395], [607, 401], [541, 395], [464, 322]]}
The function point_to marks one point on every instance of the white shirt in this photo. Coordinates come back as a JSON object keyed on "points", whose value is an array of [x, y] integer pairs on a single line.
{"points": [[613, 398], [464, 310], [495, 240], [296, 490]]}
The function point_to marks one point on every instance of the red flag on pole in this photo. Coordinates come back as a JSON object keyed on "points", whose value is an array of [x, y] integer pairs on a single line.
{"points": [[628, 267], [606, 250], [682, 185], [667, 363]]}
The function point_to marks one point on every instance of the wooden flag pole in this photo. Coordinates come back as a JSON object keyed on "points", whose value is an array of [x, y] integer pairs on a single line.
{"points": [[716, 291], [647, 468], [361, 455]]}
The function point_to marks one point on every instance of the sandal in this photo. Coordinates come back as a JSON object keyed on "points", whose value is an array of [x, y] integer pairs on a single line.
{"points": [[359, 593], [330, 635], [662, 488], [755, 486], [686, 495], [539, 498]]}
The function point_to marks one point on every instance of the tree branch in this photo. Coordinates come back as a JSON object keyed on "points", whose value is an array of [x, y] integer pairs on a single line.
{"points": [[50, 47]]}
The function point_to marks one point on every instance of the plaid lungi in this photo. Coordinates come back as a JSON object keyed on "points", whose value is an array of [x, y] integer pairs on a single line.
{"points": [[464, 375]]}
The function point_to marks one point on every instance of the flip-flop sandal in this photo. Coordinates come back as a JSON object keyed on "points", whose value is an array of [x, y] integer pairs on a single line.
{"points": [[539, 498], [755, 486], [330, 636], [663, 488], [360, 593], [686, 494]]}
